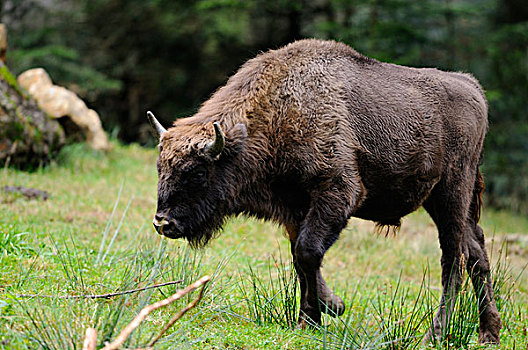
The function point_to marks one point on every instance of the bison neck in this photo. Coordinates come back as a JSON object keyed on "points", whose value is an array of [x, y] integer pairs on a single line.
{"points": [[280, 198]]}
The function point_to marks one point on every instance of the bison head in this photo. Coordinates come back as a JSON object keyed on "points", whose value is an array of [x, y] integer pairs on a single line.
{"points": [[194, 168]]}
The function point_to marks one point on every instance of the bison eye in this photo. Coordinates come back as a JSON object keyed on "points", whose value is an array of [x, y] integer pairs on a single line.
{"points": [[194, 176], [199, 175]]}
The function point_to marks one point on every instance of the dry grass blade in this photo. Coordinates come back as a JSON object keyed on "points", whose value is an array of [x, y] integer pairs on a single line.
{"points": [[125, 333]]}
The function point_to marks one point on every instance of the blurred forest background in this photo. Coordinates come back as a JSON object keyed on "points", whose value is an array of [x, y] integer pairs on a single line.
{"points": [[126, 56]]}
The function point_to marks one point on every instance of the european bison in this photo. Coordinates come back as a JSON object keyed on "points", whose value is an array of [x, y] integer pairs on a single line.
{"points": [[316, 133]]}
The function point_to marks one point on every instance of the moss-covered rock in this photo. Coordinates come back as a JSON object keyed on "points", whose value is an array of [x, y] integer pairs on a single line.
{"points": [[28, 136]]}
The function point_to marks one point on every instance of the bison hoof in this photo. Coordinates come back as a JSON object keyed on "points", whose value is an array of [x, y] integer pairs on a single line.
{"points": [[427, 339], [489, 337], [301, 324], [333, 306], [309, 318], [490, 326], [433, 336]]}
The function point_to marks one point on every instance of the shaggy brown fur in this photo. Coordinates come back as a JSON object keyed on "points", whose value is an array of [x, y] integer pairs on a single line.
{"points": [[316, 133]]}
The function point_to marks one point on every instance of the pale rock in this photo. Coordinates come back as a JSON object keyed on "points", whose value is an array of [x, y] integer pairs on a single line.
{"points": [[58, 102]]}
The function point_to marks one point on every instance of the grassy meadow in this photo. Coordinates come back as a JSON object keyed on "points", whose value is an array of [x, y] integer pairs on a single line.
{"points": [[94, 236]]}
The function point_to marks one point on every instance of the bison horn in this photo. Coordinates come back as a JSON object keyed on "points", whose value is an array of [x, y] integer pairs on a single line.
{"points": [[156, 126], [217, 146]]}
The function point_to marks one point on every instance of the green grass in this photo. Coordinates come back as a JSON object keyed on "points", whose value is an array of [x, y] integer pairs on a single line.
{"points": [[94, 236]]}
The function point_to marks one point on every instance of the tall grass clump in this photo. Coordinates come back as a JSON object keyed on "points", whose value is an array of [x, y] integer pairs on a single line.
{"points": [[510, 298], [402, 314], [461, 329], [504, 280], [378, 317], [273, 298]]}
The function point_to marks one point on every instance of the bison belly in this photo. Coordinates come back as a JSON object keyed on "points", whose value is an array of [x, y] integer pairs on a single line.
{"points": [[387, 204], [396, 186]]}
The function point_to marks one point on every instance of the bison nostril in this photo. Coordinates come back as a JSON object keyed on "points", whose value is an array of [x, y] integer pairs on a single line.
{"points": [[165, 226], [159, 221]]}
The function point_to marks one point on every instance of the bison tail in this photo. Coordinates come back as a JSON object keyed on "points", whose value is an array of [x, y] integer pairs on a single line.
{"points": [[478, 191]]}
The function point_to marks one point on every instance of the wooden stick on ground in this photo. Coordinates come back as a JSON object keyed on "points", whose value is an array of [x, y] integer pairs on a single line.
{"points": [[125, 333], [98, 296], [90, 342], [178, 316]]}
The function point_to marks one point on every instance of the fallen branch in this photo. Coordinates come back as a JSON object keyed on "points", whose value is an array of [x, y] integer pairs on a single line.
{"points": [[90, 342], [125, 333], [99, 296], [179, 315]]}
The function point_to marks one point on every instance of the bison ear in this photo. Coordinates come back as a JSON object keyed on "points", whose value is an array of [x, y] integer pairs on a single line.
{"points": [[236, 138], [231, 143]]}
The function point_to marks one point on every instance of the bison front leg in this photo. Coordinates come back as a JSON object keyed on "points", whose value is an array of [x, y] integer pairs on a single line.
{"points": [[320, 229], [328, 301]]}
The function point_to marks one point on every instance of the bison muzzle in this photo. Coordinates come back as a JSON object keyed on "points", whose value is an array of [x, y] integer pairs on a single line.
{"points": [[314, 133]]}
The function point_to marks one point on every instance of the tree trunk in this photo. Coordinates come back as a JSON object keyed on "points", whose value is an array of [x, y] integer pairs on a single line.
{"points": [[29, 138]]}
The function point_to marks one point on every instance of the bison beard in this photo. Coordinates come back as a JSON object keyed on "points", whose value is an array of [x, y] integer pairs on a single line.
{"points": [[205, 222], [316, 133]]}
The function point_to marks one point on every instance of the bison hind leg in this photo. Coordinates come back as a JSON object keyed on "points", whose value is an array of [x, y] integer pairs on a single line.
{"points": [[388, 228]]}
